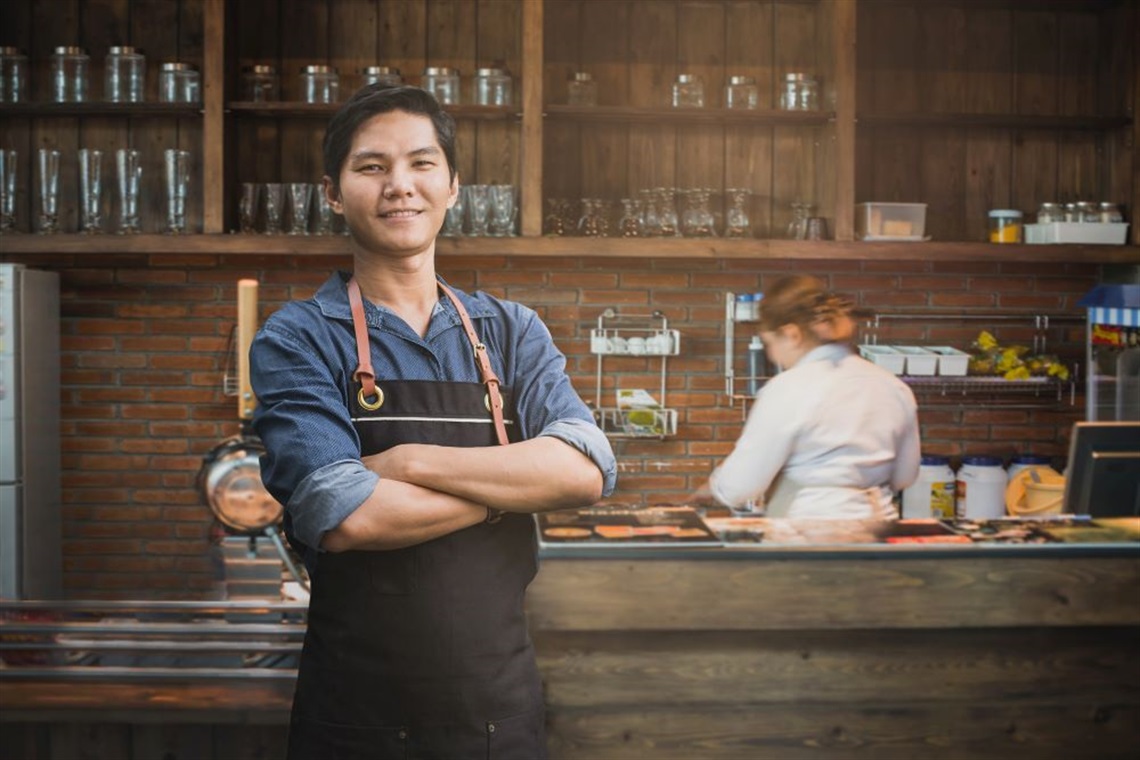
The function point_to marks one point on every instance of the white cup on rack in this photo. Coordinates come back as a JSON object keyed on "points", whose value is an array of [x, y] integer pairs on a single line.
{"points": [[637, 345]]}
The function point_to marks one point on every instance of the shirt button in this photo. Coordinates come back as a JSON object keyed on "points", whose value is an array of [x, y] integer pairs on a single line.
{"points": [[402, 734], [490, 728]]}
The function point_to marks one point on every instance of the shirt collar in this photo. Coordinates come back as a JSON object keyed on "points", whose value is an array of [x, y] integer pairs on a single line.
{"points": [[332, 300], [828, 352]]}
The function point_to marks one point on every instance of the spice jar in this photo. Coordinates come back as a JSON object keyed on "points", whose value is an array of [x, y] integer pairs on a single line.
{"points": [[1110, 213], [492, 87], [178, 83], [13, 75], [124, 75], [800, 93], [581, 89], [69, 75], [320, 84], [1005, 226], [443, 83], [1050, 212], [741, 92], [260, 83], [384, 75], [688, 91], [1087, 212]]}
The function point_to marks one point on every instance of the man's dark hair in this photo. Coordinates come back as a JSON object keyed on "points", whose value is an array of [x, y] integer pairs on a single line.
{"points": [[374, 99]]}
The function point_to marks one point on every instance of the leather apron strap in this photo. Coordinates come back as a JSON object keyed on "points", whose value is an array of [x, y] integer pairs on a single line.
{"points": [[366, 376]]}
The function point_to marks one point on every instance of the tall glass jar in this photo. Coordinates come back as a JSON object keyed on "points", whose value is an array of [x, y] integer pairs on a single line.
{"points": [[492, 87], [69, 67], [260, 84], [741, 92], [320, 84], [385, 75], [178, 82], [124, 75], [13, 75], [443, 83], [581, 89], [688, 91]]}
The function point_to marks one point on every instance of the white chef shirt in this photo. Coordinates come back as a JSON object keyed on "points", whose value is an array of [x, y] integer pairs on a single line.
{"points": [[838, 430]]}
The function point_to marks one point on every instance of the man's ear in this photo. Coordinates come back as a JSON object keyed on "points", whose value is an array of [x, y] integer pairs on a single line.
{"points": [[453, 191], [332, 195]]}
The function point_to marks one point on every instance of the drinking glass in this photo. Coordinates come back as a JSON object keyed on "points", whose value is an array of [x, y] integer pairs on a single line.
{"points": [[630, 223], [453, 220], [816, 228], [478, 206], [650, 219], [593, 222], [8, 160], [324, 223], [247, 207], [128, 164], [300, 199], [797, 228], [90, 190], [274, 193], [49, 190], [669, 225], [502, 210], [554, 223], [736, 222], [177, 164]]}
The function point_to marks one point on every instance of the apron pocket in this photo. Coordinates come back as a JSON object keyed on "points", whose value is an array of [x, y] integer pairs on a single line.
{"points": [[314, 740], [520, 737]]}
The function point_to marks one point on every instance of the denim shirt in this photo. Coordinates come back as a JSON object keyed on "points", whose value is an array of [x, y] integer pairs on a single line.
{"points": [[301, 366]]}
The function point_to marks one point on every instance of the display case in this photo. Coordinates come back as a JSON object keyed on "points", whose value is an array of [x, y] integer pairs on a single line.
{"points": [[1113, 353]]}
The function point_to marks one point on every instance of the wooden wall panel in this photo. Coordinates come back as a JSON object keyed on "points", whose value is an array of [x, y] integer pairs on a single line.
{"points": [[560, 176], [652, 71], [304, 41], [451, 41], [497, 43], [605, 35], [748, 149]]}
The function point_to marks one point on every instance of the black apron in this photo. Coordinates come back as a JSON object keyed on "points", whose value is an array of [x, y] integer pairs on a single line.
{"points": [[423, 652]]}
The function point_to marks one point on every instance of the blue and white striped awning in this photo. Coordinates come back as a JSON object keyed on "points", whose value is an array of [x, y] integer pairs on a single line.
{"points": [[1101, 315]]}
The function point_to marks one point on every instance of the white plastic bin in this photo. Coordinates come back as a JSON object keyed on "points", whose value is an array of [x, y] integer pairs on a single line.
{"points": [[885, 356]]}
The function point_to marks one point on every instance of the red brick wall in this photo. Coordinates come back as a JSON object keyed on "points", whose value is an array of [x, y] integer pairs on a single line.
{"points": [[144, 343]]}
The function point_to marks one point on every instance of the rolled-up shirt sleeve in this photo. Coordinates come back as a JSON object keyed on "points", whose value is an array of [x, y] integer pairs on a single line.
{"points": [[588, 438], [326, 497]]}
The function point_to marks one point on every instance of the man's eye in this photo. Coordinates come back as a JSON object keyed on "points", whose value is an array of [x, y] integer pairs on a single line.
{"points": [[369, 168]]}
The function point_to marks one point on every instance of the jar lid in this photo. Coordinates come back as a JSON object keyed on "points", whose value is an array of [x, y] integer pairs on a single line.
{"points": [[581, 76], [1050, 205], [318, 68], [380, 70], [178, 66], [982, 461], [1107, 205], [934, 460], [1005, 213], [688, 79], [70, 50], [797, 76], [490, 72], [1031, 459], [440, 71], [122, 50], [260, 68], [739, 79]]}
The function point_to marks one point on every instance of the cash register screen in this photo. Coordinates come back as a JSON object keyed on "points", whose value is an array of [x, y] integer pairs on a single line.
{"points": [[1103, 475]]}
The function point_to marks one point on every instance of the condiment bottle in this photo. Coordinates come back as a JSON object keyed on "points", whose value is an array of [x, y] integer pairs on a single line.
{"points": [[1005, 226]]}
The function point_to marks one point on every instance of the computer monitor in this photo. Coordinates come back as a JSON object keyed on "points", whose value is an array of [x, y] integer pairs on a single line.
{"points": [[1103, 475]]}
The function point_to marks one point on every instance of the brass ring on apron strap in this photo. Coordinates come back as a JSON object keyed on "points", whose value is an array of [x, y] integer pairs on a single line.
{"points": [[370, 406], [487, 401]]}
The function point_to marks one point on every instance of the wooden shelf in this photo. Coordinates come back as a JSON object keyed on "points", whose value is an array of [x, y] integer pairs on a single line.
{"points": [[750, 117], [325, 110], [73, 110], [528, 247], [995, 120]]}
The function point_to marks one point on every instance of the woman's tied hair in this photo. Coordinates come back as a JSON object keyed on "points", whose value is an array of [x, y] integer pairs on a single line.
{"points": [[803, 301]]}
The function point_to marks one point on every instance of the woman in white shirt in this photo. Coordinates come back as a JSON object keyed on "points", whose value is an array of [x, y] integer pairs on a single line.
{"points": [[832, 435]]}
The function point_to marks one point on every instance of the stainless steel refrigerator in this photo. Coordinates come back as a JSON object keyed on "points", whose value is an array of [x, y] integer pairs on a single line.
{"points": [[30, 493]]}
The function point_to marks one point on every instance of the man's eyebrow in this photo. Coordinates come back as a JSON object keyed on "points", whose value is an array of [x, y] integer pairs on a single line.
{"points": [[430, 150]]}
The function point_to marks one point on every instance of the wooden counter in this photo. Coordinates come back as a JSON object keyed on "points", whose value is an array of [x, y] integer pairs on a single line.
{"points": [[839, 652]]}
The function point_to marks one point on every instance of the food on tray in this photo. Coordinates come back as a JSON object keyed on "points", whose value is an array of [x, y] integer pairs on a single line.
{"points": [[567, 532]]}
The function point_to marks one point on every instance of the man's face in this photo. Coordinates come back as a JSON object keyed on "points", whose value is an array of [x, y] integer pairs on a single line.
{"points": [[395, 185]]}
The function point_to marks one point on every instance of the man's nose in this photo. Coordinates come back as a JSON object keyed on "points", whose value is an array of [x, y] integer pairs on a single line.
{"points": [[397, 183]]}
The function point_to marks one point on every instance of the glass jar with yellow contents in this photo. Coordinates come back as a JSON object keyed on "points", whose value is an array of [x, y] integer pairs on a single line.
{"points": [[1005, 225]]}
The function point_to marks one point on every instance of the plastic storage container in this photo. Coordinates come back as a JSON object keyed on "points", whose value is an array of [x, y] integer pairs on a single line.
{"points": [[1077, 232], [980, 489], [932, 494], [884, 356], [919, 361], [1025, 461], [951, 361], [890, 221], [1005, 225]]}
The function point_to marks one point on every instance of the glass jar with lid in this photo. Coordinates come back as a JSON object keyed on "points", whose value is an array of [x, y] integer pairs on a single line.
{"points": [[1005, 225], [1110, 213], [124, 75], [688, 91], [1087, 212], [581, 89], [13, 75], [800, 92], [1072, 213], [260, 83], [443, 83], [1050, 212], [741, 92], [385, 75], [320, 83], [69, 66], [492, 87], [178, 82]]}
